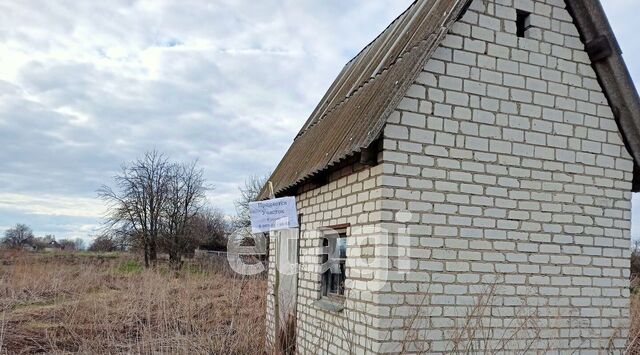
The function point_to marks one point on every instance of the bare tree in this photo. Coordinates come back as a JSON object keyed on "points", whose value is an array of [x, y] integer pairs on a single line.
{"points": [[123, 237], [18, 236], [67, 244], [79, 244], [185, 198], [210, 228], [136, 205], [248, 193], [103, 244]]}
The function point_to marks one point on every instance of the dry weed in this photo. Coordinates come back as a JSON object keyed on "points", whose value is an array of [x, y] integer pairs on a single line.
{"points": [[107, 304], [83, 303], [634, 330]]}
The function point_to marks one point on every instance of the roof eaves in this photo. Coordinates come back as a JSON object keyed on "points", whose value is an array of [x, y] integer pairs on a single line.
{"points": [[381, 70], [425, 48], [355, 122]]}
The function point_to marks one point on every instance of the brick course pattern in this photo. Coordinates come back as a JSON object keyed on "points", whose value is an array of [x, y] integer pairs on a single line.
{"points": [[505, 186], [351, 197], [524, 188]]}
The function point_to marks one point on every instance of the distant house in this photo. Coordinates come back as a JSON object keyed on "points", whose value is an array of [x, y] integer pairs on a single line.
{"points": [[29, 246], [53, 246], [475, 147]]}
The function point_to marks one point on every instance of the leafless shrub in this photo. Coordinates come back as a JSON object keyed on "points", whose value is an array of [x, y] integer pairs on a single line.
{"points": [[634, 331], [287, 337], [474, 331], [348, 327], [248, 193], [2, 325]]}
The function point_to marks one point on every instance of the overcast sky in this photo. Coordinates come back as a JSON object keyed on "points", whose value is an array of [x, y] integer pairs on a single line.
{"points": [[88, 85]]}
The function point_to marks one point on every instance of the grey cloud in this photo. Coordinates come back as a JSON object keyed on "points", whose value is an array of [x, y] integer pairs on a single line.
{"points": [[228, 82]]}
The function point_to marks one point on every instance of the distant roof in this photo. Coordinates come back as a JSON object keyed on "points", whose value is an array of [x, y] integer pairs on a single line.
{"points": [[352, 113]]}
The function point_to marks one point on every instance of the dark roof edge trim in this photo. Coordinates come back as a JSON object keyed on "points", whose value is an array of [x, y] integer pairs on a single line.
{"points": [[308, 125], [613, 75], [461, 6]]}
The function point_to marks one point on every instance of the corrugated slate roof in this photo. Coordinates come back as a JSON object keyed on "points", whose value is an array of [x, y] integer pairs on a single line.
{"points": [[353, 111]]}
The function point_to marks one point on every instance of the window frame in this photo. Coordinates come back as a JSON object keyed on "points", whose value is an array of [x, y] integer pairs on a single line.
{"points": [[329, 238]]}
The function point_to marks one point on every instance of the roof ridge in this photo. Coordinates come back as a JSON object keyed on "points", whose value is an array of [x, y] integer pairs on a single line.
{"points": [[366, 91], [353, 61], [371, 78], [376, 74]]}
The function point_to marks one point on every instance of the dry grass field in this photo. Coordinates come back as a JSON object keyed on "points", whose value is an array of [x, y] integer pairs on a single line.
{"points": [[634, 331], [107, 303]]}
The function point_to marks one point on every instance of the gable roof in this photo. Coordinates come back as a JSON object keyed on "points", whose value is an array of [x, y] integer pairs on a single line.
{"points": [[352, 113]]}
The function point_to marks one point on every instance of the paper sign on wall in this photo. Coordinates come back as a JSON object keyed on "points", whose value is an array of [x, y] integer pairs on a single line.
{"points": [[275, 214]]}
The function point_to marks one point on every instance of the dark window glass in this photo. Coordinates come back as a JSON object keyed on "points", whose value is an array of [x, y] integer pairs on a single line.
{"points": [[334, 257]]}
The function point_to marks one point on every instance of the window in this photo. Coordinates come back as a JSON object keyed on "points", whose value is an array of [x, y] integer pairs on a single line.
{"points": [[334, 258], [522, 22]]}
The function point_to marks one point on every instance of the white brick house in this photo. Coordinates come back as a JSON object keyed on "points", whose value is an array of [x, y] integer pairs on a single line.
{"points": [[467, 178]]}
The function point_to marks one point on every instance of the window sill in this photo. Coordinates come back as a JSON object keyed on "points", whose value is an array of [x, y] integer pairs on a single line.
{"points": [[328, 305]]}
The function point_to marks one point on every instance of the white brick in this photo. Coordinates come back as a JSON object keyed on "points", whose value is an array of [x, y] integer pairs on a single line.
{"points": [[422, 136], [474, 143], [399, 132], [510, 160]]}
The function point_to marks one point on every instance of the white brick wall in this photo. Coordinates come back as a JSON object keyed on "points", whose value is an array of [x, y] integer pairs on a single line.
{"points": [[507, 157], [524, 187], [351, 197]]}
